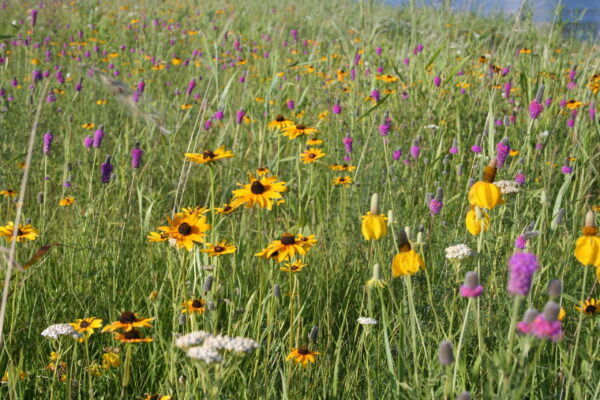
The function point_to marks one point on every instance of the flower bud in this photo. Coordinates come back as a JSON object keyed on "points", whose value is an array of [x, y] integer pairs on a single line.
{"points": [[208, 284], [40, 198], [182, 319], [464, 396], [314, 334], [472, 279], [276, 291], [375, 204], [390, 217], [446, 353], [589, 219], [554, 288], [530, 315], [559, 217], [551, 311]]}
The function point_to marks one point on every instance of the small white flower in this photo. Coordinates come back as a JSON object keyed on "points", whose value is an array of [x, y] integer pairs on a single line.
{"points": [[206, 354], [192, 339], [56, 330], [366, 321], [507, 187], [458, 252]]}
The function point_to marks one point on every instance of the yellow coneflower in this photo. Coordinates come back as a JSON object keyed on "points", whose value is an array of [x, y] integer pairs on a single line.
{"points": [[344, 167], [209, 156], [473, 221], [193, 306], [294, 266], [8, 193], [485, 194], [587, 246], [589, 307], [86, 326], [286, 248], [573, 104], [293, 131], [513, 153], [186, 229], [302, 355], [127, 321], [226, 209], [342, 181], [261, 192], [219, 249], [262, 171], [561, 314], [67, 201], [311, 155], [373, 226], [280, 122], [132, 336], [407, 261], [158, 237], [341, 74], [24, 232]]}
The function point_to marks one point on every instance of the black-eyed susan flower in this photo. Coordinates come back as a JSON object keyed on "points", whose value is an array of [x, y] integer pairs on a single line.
{"points": [[475, 219], [67, 201], [293, 131], [589, 307], [158, 237], [573, 104], [132, 336], [302, 355], [295, 266], [156, 397], [343, 167], [262, 171], [374, 225], [407, 261], [587, 246], [209, 156], [128, 321], [306, 241], [226, 209], [285, 248], [193, 306], [485, 194], [314, 142], [259, 191], [387, 78], [311, 155], [8, 193], [24, 232], [342, 181], [186, 229], [219, 249], [198, 210], [280, 122], [86, 326], [88, 126]]}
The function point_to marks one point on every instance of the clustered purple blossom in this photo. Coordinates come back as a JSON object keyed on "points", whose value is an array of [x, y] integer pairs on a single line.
{"points": [[545, 325], [502, 151], [48, 137], [535, 109], [136, 155], [521, 267]]}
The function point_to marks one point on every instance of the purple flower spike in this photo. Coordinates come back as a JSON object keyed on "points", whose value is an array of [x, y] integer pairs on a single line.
{"points": [[98, 136], [105, 170], [88, 141], [348, 143], [219, 115], [336, 109], [535, 109], [437, 81], [48, 137], [136, 156], [397, 154], [521, 267], [239, 116], [521, 242], [291, 104], [502, 151]]}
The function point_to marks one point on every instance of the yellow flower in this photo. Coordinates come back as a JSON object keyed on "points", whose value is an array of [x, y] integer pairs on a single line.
{"points": [[589, 307], [294, 266], [110, 359], [132, 336], [185, 107], [8, 193], [261, 192], [344, 167], [24, 232], [311, 155], [342, 180], [186, 229], [406, 262], [302, 355], [226, 209], [285, 248], [587, 246], [293, 131], [280, 122], [573, 104], [485, 194], [262, 171], [209, 156], [127, 321], [193, 306], [219, 249], [67, 201], [474, 224], [86, 326], [387, 78], [158, 237], [373, 226], [156, 397]]}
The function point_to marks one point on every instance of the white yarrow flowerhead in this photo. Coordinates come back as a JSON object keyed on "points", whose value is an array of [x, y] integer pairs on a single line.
{"points": [[204, 346], [192, 339], [206, 354], [507, 187], [366, 321], [56, 330], [458, 252]]}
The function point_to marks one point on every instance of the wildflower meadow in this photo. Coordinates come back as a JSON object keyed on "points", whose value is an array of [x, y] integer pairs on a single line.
{"points": [[296, 200]]}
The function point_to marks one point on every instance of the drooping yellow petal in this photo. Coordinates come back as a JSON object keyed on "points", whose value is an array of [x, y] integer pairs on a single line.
{"points": [[474, 225], [587, 250], [484, 195]]}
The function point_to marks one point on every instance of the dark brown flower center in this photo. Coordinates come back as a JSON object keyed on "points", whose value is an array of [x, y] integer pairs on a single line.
{"points": [[590, 309], [127, 318], [287, 239], [208, 154], [219, 249], [154, 397], [311, 155], [185, 229], [301, 127], [303, 350], [295, 267], [133, 334], [257, 188], [197, 303], [20, 232], [280, 118], [84, 324], [227, 208]]}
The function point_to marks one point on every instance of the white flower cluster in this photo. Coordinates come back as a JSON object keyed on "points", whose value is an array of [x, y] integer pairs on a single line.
{"points": [[205, 346], [507, 187], [458, 252], [366, 321], [56, 330]]}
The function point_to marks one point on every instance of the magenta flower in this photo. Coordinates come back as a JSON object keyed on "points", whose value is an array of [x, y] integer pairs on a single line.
{"points": [[437, 81], [98, 136], [136, 155], [535, 109], [524, 326], [522, 266], [415, 150], [566, 169], [190, 87], [348, 143], [291, 104], [239, 116], [397, 154], [336, 109], [502, 151], [547, 325], [521, 242], [105, 170], [48, 137], [454, 148], [219, 115], [471, 286], [88, 141]]}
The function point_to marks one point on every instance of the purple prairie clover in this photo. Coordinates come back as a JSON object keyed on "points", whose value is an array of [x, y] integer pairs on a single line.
{"points": [[88, 141], [136, 155], [415, 150], [79, 85], [294, 33], [48, 137], [384, 128], [336, 109], [592, 111], [524, 326], [521, 242], [418, 49], [190, 87], [239, 116], [380, 70], [51, 98], [521, 267], [348, 143], [547, 325], [454, 148], [566, 168], [471, 286], [141, 86], [505, 71], [59, 77], [36, 75], [476, 148], [135, 96], [219, 115], [291, 104], [571, 121], [375, 94], [502, 151], [378, 51], [571, 85], [507, 89], [105, 170], [437, 81], [207, 124], [98, 136], [535, 109], [572, 73], [548, 102], [436, 204], [34, 14], [352, 74], [357, 58], [562, 103], [397, 154]]}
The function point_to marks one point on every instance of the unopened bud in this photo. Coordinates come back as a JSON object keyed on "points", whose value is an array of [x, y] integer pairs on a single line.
{"points": [[390, 217], [446, 353], [375, 204], [471, 183], [276, 290], [314, 334], [551, 311], [478, 213], [439, 194], [540, 94], [530, 315], [472, 279], [211, 306], [182, 319], [590, 219], [40, 198], [419, 237], [464, 396], [208, 283], [554, 288], [559, 217], [376, 272]]}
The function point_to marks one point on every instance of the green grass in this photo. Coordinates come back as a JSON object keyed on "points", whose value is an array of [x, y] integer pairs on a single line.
{"points": [[105, 264]]}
